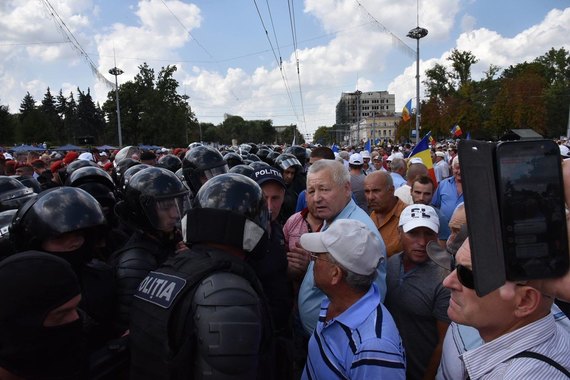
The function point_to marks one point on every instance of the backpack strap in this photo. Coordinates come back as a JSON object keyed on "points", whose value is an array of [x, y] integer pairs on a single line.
{"points": [[544, 358]]}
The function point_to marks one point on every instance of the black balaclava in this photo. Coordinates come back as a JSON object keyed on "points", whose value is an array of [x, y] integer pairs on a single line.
{"points": [[31, 285]]}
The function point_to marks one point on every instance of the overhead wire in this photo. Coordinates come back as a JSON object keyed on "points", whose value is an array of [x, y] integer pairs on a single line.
{"points": [[283, 77], [67, 34], [293, 26], [194, 39], [186, 29], [395, 39]]}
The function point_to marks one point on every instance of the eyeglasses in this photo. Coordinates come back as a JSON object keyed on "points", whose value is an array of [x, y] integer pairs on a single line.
{"points": [[465, 276], [315, 256]]}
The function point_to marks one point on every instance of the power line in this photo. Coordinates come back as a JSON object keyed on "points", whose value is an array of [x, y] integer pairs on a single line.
{"points": [[34, 43], [187, 30], [395, 39], [295, 47], [76, 45], [279, 63]]}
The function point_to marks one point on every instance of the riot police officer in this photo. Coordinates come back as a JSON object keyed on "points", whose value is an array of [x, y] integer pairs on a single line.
{"points": [[154, 204], [208, 296]]}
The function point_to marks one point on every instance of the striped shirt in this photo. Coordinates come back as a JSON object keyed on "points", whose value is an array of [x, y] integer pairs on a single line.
{"points": [[461, 338], [544, 336], [361, 343]]}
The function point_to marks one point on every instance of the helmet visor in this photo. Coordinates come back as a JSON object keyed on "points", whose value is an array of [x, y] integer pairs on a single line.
{"points": [[211, 173], [166, 214], [289, 162]]}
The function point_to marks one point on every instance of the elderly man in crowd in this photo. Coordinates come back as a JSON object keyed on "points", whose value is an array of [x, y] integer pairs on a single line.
{"points": [[521, 338], [328, 182], [345, 259], [386, 208]]}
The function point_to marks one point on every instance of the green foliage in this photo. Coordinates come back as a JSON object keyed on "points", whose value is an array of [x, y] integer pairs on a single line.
{"points": [[323, 135], [527, 95]]}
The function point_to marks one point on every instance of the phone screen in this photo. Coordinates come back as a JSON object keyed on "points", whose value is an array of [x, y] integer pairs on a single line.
{"points": [[531, 203]]}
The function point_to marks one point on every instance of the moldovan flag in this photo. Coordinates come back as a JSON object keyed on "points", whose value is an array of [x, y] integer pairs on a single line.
{"points": [[422, 151], [456, 131], [407, 110], [432, 140]]}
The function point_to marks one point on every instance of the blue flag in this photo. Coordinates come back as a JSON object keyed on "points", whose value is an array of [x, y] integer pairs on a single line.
{"points": [[368, 146]]}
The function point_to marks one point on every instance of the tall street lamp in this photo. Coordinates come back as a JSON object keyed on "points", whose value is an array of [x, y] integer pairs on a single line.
{"points": [[417, 33], [116, 72]]}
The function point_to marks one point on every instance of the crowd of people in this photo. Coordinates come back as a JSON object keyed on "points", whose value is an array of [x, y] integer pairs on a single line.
{"points": [[258, 262]]}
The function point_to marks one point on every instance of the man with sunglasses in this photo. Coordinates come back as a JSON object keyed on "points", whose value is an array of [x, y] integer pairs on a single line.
{"points": [[416, 297], [355, 337], [521, 339]]}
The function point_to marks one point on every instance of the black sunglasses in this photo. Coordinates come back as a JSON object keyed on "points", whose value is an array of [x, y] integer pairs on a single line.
{"points": [[465, 276]]}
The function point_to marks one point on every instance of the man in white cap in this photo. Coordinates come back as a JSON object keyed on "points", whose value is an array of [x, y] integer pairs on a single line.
{"points": [[416, 297], [357, 177], [367, 168], [441, 168], [355, 338]]}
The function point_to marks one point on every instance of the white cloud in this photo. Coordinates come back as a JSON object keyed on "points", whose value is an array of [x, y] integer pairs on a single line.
{"points": [[360, 53], [468, 23], [157, 36]]}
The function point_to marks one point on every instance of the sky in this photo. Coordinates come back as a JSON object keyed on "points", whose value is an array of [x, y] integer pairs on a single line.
{"points": [[241, 57]]}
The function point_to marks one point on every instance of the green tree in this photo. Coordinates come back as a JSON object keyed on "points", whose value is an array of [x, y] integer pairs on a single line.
{"points": [[31, 121], [90, 117], [7, 125], [323, 135], [461, 63], [152, 111], [52, 122]]}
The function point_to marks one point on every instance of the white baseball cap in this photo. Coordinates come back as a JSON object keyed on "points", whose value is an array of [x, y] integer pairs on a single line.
{"points": [[419, 215], [365, 154], [350, 242], [416, 160], [356, 159], [440, 154], [86, 156]]}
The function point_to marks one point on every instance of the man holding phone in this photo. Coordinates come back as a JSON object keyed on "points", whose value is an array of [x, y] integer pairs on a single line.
{"points": [[521, 338]]}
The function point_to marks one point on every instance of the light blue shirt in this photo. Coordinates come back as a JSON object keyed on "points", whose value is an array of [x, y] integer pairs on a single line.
{"points": [[361, 343], [397, 179], [311, 297], [446, 199]]}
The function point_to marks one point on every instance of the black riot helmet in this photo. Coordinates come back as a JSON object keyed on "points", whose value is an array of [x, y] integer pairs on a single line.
{"points": [[262, 153], [77, 164], [271, 156], [253, 157], [6, 246], [29, 182], [287, 160], [170, 162], [55, 212], [229, 209], [256, 165], [121, 167], [201, 164], [244, 149], [154, 199], [90, 174], [233, 159], [299, 152], [125, 153], [99, 184], [13, 193], [246, 170], [127, 175]]}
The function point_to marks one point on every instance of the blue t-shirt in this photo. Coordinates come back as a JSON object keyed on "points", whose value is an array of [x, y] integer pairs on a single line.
{"points": [[446, 199]]}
